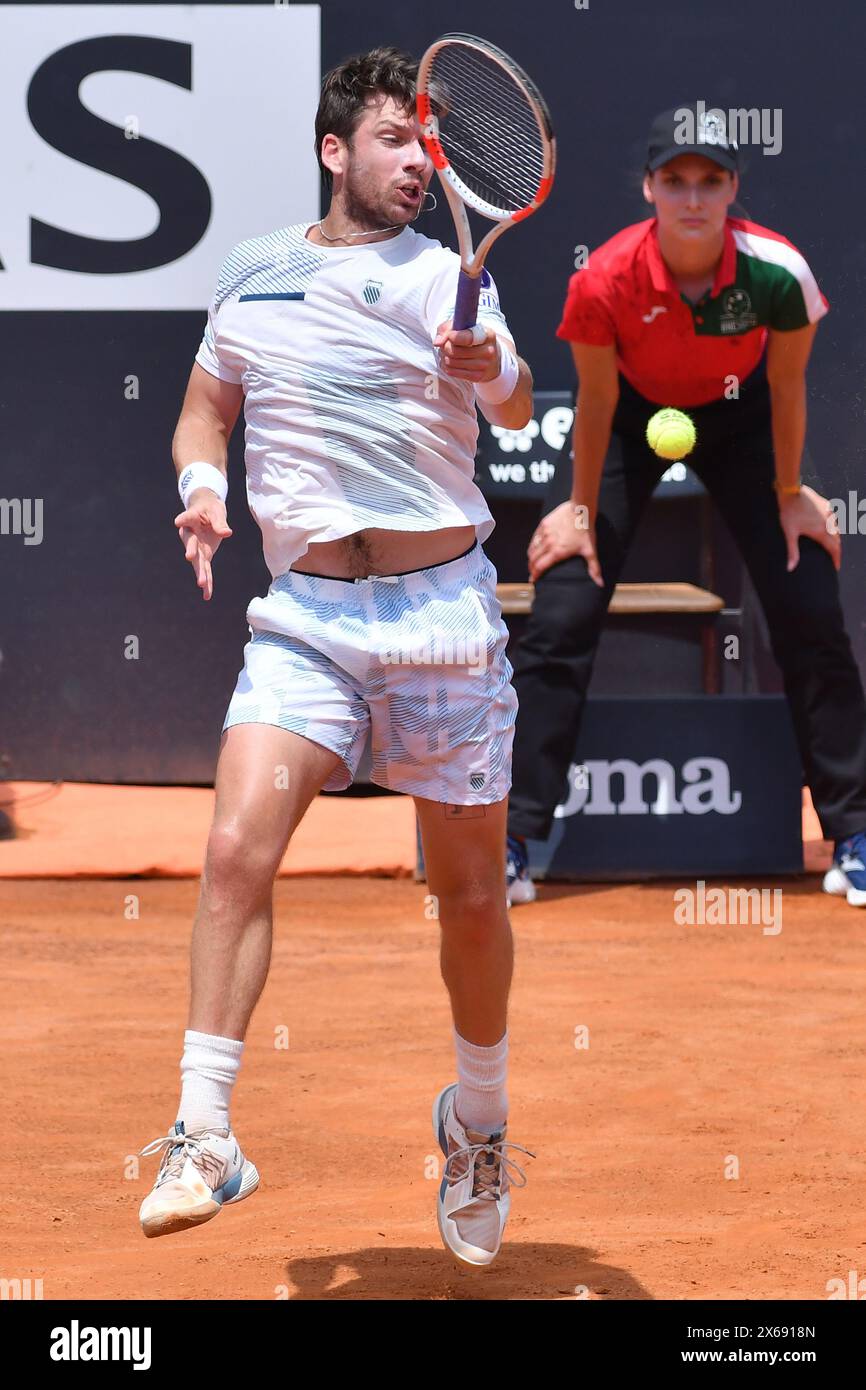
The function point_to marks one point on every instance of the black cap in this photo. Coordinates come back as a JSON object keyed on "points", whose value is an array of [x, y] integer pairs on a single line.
{"points": [[693, 128]]}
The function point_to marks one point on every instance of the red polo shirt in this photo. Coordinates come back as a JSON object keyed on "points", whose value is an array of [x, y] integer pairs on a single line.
{"points": [[682, 354]]}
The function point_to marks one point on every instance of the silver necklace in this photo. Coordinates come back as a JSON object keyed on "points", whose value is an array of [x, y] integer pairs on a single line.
{"points": [[377, 230], [347, 235]]}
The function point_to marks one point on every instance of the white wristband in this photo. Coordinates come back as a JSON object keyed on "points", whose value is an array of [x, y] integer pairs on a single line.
{"points": [[500, 388], [200, 474]]}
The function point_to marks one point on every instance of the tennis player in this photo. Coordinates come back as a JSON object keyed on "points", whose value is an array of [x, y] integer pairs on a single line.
{"points": [[381, 620], [705, 311]]}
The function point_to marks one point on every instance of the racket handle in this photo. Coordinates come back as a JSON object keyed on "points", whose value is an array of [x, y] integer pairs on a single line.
{"points": [[466, 307]]}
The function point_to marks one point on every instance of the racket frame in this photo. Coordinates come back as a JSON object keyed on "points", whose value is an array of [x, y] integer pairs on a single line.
{"points": [[459, 194]]}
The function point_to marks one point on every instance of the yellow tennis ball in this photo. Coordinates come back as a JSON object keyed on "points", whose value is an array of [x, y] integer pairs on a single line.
{"points": [[655, 424], [671, 434]]}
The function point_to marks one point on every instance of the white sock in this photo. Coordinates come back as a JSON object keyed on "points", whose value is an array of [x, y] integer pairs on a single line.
{"points": [[481, 1102], [208, 1070]]}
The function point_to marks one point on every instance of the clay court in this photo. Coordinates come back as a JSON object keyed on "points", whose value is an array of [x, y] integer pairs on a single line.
{"points": [[705, 1042]]}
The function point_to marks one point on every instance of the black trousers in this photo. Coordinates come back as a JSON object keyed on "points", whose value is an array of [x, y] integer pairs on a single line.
{"points": [[553, 663]]}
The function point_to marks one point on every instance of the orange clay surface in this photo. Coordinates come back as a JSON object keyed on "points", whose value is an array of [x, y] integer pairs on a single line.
{"points": [[707, 1045]]}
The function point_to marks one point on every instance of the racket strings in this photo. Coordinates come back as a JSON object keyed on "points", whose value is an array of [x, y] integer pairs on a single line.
{"points": [[489, 130]]}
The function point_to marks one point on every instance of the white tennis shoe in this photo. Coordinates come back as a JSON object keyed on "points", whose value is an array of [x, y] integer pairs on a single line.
{"points": [[846, 877], [199, 1174], [519, 887], [474, 1198]]}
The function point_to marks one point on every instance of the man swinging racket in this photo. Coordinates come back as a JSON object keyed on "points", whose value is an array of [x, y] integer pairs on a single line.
{"points": [[360, 440]]}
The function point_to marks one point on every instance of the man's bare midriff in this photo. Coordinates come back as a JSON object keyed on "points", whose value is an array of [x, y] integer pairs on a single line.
{"points": [[381, 552]]}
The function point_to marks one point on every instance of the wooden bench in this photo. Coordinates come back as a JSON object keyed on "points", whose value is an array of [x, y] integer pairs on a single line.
{"points": [[643, 598], [627, 598]]}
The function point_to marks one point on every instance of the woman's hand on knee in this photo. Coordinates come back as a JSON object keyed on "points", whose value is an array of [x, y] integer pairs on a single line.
{"points": [[809, 514], [564, 532]]}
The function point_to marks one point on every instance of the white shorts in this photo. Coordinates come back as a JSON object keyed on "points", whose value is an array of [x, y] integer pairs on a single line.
{"points": [[415, 660]]}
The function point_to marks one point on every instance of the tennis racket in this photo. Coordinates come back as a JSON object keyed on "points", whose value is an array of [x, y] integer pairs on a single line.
{"points": [[488, 132]]}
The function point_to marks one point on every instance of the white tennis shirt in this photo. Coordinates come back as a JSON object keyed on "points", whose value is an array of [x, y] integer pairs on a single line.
{"points": [[349, 423]]}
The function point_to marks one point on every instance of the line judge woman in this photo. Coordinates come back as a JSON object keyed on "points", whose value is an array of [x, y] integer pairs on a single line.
{"points": [[664, 314]]}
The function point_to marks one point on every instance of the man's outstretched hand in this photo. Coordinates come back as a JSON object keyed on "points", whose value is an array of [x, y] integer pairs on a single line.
{"points": [[202, 527]]}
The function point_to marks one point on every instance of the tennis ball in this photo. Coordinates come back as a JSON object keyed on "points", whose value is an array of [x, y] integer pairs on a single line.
{"points": [[671, 434]]}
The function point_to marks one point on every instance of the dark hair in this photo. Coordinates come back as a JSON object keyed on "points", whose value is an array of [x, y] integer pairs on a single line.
{"points": [[345, 89]]}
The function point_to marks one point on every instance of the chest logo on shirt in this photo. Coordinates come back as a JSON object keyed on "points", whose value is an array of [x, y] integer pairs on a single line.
{"points": [[372, 290], [655, 310], [737, 313]]}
